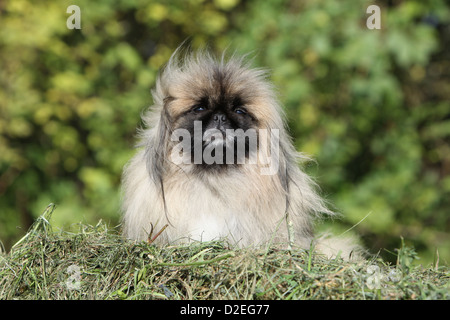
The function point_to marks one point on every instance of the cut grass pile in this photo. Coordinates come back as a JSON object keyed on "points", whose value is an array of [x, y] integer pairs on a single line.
{"points": [[96, 263]]}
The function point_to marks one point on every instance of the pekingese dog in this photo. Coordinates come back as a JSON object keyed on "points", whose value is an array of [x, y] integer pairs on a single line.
{"points": [[215, 161]]}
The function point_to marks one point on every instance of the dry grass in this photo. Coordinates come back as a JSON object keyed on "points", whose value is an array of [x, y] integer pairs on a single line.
{"points": [[96, 263]]}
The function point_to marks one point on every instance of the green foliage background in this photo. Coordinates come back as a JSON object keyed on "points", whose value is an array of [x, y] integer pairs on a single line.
{"points": [[371, 106]]}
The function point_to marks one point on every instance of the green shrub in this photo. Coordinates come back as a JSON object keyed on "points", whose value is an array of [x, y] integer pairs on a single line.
{"points": [[371, 106]]}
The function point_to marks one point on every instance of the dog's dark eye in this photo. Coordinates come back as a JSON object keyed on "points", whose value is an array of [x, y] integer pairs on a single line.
{"points": [[199, 108], [240, 111]]}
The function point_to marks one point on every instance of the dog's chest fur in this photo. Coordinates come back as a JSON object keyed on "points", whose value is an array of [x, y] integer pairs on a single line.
{"points": [[231, 207]]}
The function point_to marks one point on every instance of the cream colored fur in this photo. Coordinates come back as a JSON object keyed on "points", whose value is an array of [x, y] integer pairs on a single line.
{"points": [[244, 206]]}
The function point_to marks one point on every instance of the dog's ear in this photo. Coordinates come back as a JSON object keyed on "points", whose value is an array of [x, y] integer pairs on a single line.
{"points": [[156, 149], [156, 153], [284, 175], [288, 170]]}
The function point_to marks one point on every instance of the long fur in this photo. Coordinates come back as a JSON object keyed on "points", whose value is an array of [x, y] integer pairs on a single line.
{"points": [[247, 208]]}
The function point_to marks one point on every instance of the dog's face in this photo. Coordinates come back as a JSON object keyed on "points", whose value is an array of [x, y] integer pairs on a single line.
{"points": [[222, 108]]}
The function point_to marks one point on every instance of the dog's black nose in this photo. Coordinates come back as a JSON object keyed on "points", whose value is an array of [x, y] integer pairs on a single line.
{"points": [[220, 118]]}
